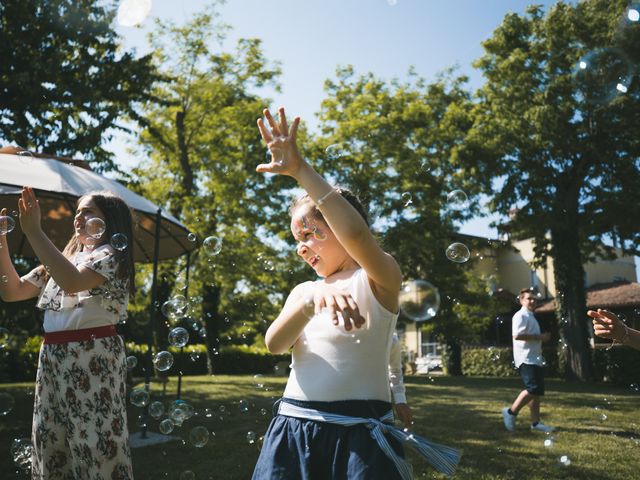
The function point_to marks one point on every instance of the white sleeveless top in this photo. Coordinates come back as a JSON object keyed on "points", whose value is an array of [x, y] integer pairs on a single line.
{"points": [[330, 363]]}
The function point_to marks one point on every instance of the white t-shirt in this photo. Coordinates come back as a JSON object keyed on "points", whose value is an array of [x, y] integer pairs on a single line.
{"points": [[526, 351], [98, 307], [330, 363]]}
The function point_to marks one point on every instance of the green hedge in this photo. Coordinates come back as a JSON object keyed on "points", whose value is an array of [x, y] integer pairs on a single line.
{"points": [[19, 360], [498, 362], [620, 365]]}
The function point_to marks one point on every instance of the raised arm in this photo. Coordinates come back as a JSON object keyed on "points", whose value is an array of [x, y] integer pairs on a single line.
{"points": [[12, 287], [70, 278], [345, 222]]}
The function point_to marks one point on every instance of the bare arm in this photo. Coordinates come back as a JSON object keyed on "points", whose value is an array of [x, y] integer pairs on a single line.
{"points": [[607, 325], [285, 330], [12, 287], [345, 222], [70, 278]]}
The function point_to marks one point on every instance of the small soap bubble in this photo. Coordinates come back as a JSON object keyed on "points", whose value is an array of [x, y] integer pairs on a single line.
{"points": [[212, 245], [407, 199], [25, 156], [336, 151], [419, 300], [139, 397], [258, 380], [603, 74], [199, 436], [119, 241], [194, 356], [187, 475], [192, 237], [458, 252], [457, 200], [243, 405], [95, 227], [208, 412], [163, 361], [319, 234], [7, 403], [21, 453], [263, 411], [251, 437], [633, 14], [565, 461], [4, 279], [133, 12], [178, 337], [156, 409], [7, 224], [549, 442], [132, 362]]}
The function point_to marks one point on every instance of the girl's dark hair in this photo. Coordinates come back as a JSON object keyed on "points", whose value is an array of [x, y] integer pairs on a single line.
{"points": [[345, 193], [118, 219]]}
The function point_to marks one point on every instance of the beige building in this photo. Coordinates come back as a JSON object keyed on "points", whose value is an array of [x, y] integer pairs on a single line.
{"points": [[508, 267]]}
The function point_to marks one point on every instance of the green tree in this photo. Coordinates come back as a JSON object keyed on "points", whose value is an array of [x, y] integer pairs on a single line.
{"points": [[390, 142], [554, 137], [202, 146], [64, 79]]}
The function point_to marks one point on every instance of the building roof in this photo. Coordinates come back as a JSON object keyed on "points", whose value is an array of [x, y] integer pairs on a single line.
{"points": [[608, 295]]}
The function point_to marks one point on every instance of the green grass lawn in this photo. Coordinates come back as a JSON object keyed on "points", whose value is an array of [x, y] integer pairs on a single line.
{"points": [[460, 412]]}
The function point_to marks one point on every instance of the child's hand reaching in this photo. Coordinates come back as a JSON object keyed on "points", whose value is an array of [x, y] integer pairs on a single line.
{"points": [[335, 301], [281, 141], [29, 211]]}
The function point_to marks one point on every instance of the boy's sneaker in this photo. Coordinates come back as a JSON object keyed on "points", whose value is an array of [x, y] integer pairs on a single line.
{"points": [[509, 420], [541, 427]]}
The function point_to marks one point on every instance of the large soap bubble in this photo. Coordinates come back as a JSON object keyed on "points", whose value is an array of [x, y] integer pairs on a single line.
{"points": [[419, 300]]}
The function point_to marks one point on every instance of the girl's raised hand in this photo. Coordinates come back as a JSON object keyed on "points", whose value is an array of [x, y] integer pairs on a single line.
{"points": [[607, 324], [29, 209], [281, 141]]}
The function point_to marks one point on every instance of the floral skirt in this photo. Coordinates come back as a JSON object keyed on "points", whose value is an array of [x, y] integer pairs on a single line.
{"points": [[79, 418]]}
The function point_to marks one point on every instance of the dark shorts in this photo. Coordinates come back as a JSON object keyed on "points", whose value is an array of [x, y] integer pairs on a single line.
{"points": [[300, 449], [533, 378]]}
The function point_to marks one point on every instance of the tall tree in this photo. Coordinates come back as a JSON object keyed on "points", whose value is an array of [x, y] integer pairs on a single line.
{"points": [[65, 80], [202, 146], [391, 143], [554, 137]]}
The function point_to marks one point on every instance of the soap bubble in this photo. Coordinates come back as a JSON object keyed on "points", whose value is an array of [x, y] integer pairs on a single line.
{"points": [[457, 200], [132, 362], [565, 461], [549, 442], [7, 224], [178, 337], [336, 151], [633, 13], [194, 356], [22, 452], [156, 409], [7, 403], [212, 245], [199, 436], [419, 300], [603, 74], [139, 397], [187, 475], [258, 380], [407, 199], [192, 237], [119, 241], [166, 426], [95, 227], [458, 252], [163, 361], [243, 405], [251, 437], [133, 12]]}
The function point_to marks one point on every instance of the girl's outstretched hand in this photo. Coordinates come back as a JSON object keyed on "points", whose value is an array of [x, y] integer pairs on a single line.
{"points": [[281, 141], [29, 211], [607, 324]]}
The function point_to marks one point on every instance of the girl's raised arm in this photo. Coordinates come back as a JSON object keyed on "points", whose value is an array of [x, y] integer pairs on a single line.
{"points": [[345, 222]]}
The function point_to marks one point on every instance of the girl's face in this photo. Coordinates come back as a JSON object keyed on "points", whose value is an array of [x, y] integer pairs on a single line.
{"points": [[86, 211], [317, 245]]}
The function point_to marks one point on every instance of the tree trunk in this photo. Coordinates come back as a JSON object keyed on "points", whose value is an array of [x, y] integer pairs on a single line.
{"points": [[454, 358], [211, 319], [571, 309]]}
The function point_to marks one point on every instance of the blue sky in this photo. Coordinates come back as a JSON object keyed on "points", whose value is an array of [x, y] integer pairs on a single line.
{"points": [[311, 38]]}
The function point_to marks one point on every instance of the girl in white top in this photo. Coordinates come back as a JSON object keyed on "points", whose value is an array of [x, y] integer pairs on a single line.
{"points": [[79, 420], [340, 329]]}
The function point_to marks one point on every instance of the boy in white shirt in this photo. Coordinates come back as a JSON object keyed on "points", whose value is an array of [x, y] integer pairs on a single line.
{"points": [[527, 356]]}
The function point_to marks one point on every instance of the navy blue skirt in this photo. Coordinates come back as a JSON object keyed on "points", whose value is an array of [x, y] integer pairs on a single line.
{"points": [[299, 449]]}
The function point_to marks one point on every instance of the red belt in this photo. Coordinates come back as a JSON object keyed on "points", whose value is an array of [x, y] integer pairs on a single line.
{"points": [[82, 335]]}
